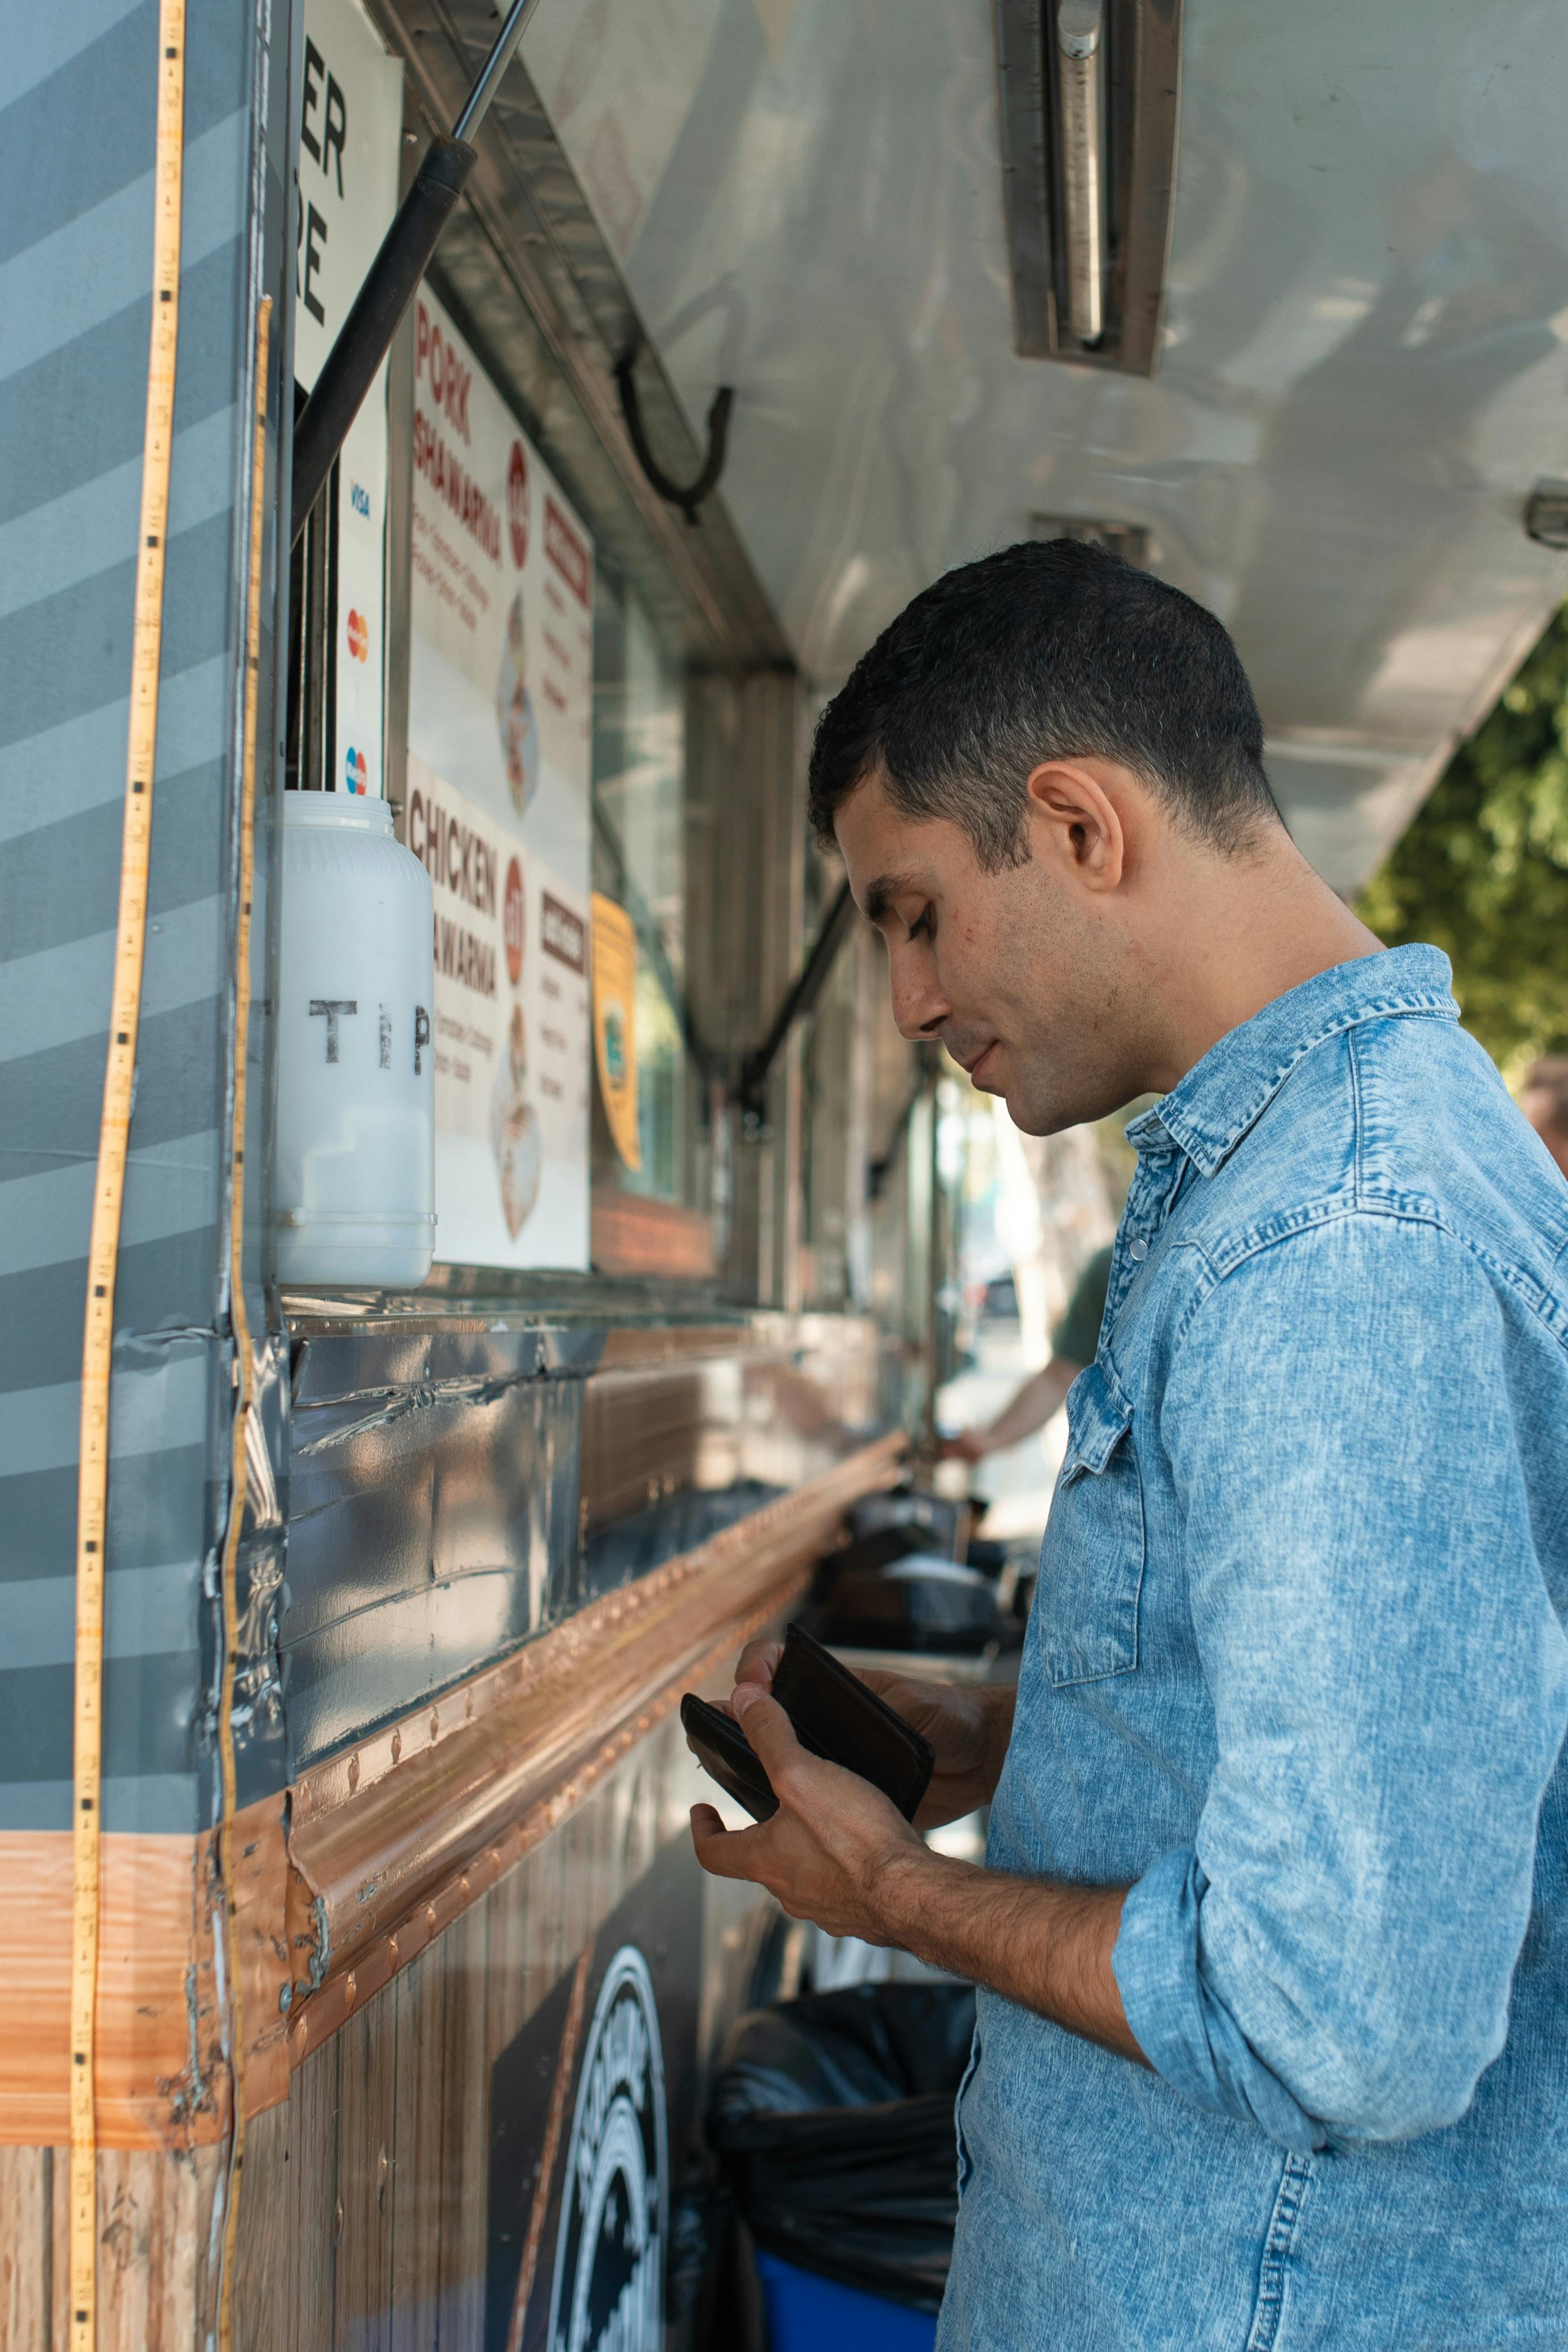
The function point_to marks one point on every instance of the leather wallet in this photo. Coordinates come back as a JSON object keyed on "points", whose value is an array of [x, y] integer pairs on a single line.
{"points": [[833, 1715]]}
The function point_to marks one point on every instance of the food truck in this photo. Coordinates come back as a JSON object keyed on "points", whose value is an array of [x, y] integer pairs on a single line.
{"points": [[468, 1227]]}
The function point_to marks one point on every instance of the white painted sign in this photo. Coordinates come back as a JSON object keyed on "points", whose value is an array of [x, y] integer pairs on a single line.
{"points": [[351, 127], [607, 2294], [500, 709]]}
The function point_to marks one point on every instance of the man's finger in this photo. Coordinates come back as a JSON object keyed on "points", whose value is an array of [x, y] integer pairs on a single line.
{"points": [[758, 1661], [768, 1731], [725, 1853]]}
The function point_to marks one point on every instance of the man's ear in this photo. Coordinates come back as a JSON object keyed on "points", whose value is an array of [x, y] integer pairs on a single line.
{"points": [[1075, 823]]}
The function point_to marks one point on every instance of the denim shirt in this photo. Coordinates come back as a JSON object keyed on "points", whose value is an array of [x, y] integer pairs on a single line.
{"points": [[1297, 1675]]}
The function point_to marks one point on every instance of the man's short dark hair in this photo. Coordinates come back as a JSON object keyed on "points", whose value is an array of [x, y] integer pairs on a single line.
{"points": [[1051, 649]]}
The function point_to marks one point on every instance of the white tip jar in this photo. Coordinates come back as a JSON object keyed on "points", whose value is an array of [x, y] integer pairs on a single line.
{"points": [[355, 1167]]}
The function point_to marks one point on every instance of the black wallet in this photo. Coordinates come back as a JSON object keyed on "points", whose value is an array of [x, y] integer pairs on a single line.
{"points": [[832, 1714]]}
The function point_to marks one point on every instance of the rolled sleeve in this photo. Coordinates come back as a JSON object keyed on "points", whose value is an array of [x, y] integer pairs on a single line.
{"points": [[1331, 1956], [1183, 2029]]}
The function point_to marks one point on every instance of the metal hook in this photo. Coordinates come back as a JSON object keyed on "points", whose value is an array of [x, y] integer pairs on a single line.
{"points": [[689, 499]]}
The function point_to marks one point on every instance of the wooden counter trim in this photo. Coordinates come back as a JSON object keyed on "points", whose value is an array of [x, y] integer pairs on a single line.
{"points": [[390, 1841], [389, 1844], [162, 2071]]}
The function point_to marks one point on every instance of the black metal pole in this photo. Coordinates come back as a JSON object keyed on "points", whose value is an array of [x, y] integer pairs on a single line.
{"points": [[365, 336], [750, 1091]]}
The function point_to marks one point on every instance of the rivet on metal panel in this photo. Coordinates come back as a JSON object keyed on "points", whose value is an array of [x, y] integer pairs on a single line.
{"points": [[392, 1954], [430, 1916], [353, 1773], [397, 1746], [434, 1724], [350, 1988]]}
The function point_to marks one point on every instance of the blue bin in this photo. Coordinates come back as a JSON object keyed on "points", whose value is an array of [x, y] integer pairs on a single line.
{"points": [[806, 2314]]}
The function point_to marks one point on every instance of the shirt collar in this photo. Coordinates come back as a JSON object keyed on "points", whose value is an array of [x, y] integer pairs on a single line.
{"points": [[1211, 1110]]}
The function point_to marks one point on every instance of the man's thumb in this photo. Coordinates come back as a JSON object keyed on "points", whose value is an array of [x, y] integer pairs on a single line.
{"points": [[767, 1726]]}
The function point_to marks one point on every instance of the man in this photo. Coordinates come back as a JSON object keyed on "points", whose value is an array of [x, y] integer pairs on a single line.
{"points": [[1272, 1937], [1072, 1345], [1543, 1099]]}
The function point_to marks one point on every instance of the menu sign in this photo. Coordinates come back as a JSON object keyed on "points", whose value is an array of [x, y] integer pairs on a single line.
{"points": [[500, 688], [350, 128]]}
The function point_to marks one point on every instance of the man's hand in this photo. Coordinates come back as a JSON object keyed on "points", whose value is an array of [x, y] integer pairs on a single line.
{"points": [[838, 1852], [827, 1852], [968, 1727]]}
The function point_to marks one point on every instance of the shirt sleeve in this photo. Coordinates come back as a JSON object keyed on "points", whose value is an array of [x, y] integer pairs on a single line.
{"points": [[1331, 1956], [1077, 1337]]}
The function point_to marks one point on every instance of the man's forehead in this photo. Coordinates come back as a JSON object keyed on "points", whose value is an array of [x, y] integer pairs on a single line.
{"points": [[885, 850]]}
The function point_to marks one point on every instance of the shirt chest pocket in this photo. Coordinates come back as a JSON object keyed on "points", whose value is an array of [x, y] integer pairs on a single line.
{"points": [[1092, 1565]]}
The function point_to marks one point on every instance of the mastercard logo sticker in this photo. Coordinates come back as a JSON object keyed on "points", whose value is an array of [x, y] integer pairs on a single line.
{"points": [[356, 775], [359, 636]]}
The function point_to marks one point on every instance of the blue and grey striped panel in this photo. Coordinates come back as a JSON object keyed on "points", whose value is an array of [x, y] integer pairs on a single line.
{"points": [[76, 131]]}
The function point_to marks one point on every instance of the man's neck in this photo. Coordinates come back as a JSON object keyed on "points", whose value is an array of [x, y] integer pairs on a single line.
{"points": [[1239, 933]]}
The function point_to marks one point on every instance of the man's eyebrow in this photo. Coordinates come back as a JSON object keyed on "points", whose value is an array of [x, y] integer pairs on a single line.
{"points": [[880, 894]]}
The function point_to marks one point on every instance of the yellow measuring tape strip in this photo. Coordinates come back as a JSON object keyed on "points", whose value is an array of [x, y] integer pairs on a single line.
{"points": [[103, 1254], [240, 1319]]}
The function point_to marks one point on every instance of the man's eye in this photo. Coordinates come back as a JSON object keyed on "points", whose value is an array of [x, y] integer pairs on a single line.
{"points": [[923, 927]]}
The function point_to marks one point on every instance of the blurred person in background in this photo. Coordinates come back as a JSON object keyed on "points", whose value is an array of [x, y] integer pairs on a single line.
{"points": [[1072, 1345], [1543, 1099]]}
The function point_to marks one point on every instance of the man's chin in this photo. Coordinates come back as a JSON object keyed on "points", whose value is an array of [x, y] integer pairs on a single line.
{"points": [[1019, 1111], [1030, 1116]]}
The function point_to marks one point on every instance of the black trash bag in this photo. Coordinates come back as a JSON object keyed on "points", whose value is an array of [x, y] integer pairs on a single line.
{"points": [[832, 2119]]}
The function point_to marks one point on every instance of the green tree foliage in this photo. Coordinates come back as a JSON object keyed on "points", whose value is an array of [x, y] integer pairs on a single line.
{"points": [[1483, 870]]}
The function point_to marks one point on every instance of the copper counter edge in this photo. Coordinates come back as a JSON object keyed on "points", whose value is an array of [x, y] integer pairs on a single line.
{"points": [[392, 1841]]}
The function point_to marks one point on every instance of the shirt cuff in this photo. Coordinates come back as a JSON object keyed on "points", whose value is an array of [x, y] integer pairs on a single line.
{"points": [[1180, 2023]]}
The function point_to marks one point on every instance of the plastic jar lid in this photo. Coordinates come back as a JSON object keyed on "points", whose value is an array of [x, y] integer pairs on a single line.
{"points": [[346, 812]]}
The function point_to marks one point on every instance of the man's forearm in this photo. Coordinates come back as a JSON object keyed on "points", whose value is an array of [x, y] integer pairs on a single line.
{"points": [[1033, 1405], [1046, 1946]]}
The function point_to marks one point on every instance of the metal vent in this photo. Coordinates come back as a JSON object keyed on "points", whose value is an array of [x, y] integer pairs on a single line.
{"points": [[1546, 514], [1089, 92]]}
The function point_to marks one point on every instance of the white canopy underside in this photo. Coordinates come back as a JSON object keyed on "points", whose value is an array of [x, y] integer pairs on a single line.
{"points": [[1362, 374]]}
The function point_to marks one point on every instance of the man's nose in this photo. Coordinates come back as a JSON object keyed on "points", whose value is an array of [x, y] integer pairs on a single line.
{"points": [[919, 1006]]}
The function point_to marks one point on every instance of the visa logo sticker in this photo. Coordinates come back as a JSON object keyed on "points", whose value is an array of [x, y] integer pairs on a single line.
{"points": [[360, 499]]}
